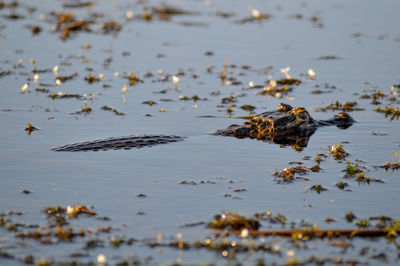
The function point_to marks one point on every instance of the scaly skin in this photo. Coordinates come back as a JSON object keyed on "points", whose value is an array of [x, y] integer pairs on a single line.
{"points": [[286, 126], [125, 143]]}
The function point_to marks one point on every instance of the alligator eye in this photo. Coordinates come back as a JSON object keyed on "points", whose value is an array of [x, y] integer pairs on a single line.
{"points": [[344, 117], [304, 115]]}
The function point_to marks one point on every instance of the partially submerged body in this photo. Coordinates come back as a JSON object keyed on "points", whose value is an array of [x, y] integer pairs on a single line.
{"points": [[287, 125]]}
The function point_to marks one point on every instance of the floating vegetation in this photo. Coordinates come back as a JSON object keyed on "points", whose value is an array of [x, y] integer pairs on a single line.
{"points": [[383, 226], [78, 4], [110, 27], [362, 223], [325, 88], [66, 23], [363, 179], [6, 73], [248, 107], [317, 91], [239, 234], [30, 128], [233, 221], [150, 103], [338, 152], [255, 16], [328, 57], [35, 29], [133, 79], [228, 100], [42, 90], [352, 170], [394, 165], [318, 188], [375, 96], [74, 26], [355, 171], [107, 108], [316, 168], [85, 110], [186, 182], [91, 78], [341, 185], [389, 111], [195, 98], [374, 133], [57, 217], [346, 107], [117, 241], [61, 95], [307, 234], [288, 81], [273, 90], [78, 209], [66, 78], [288, 174], [350, 216], [165, 11], [318, 157]]}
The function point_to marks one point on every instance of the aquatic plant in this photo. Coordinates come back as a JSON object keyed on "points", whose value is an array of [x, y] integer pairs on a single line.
{"points": [[288, 174], [107, 108], [318, 188], [338, 152], [30, 128], [341, 185], [394, 165], [346, 107], [350, 216], [389, 110], [351, 169]]}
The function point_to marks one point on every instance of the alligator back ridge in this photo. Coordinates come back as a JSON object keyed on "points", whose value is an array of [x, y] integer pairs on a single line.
{"points": [[126, 143]]}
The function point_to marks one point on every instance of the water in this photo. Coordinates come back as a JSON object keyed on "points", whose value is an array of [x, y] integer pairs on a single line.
{"points": [[362, 34]]}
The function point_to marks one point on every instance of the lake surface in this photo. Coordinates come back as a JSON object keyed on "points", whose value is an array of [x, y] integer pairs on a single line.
{"points": [[353, 46]]}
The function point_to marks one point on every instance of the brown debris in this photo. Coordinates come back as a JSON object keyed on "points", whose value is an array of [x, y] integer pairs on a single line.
{"points": [[111, 26], [288, 174], [74, 26], [30, 128], [77, 209]]}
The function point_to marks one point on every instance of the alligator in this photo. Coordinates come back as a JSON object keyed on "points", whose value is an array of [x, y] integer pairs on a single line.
{"points": [[286, 125]]}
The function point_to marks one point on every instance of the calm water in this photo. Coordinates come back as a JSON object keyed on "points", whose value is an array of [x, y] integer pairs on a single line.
{"points": [[363, 35]]}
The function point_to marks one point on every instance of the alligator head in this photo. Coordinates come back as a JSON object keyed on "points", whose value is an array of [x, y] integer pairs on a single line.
{"points": [[286, 125]]}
